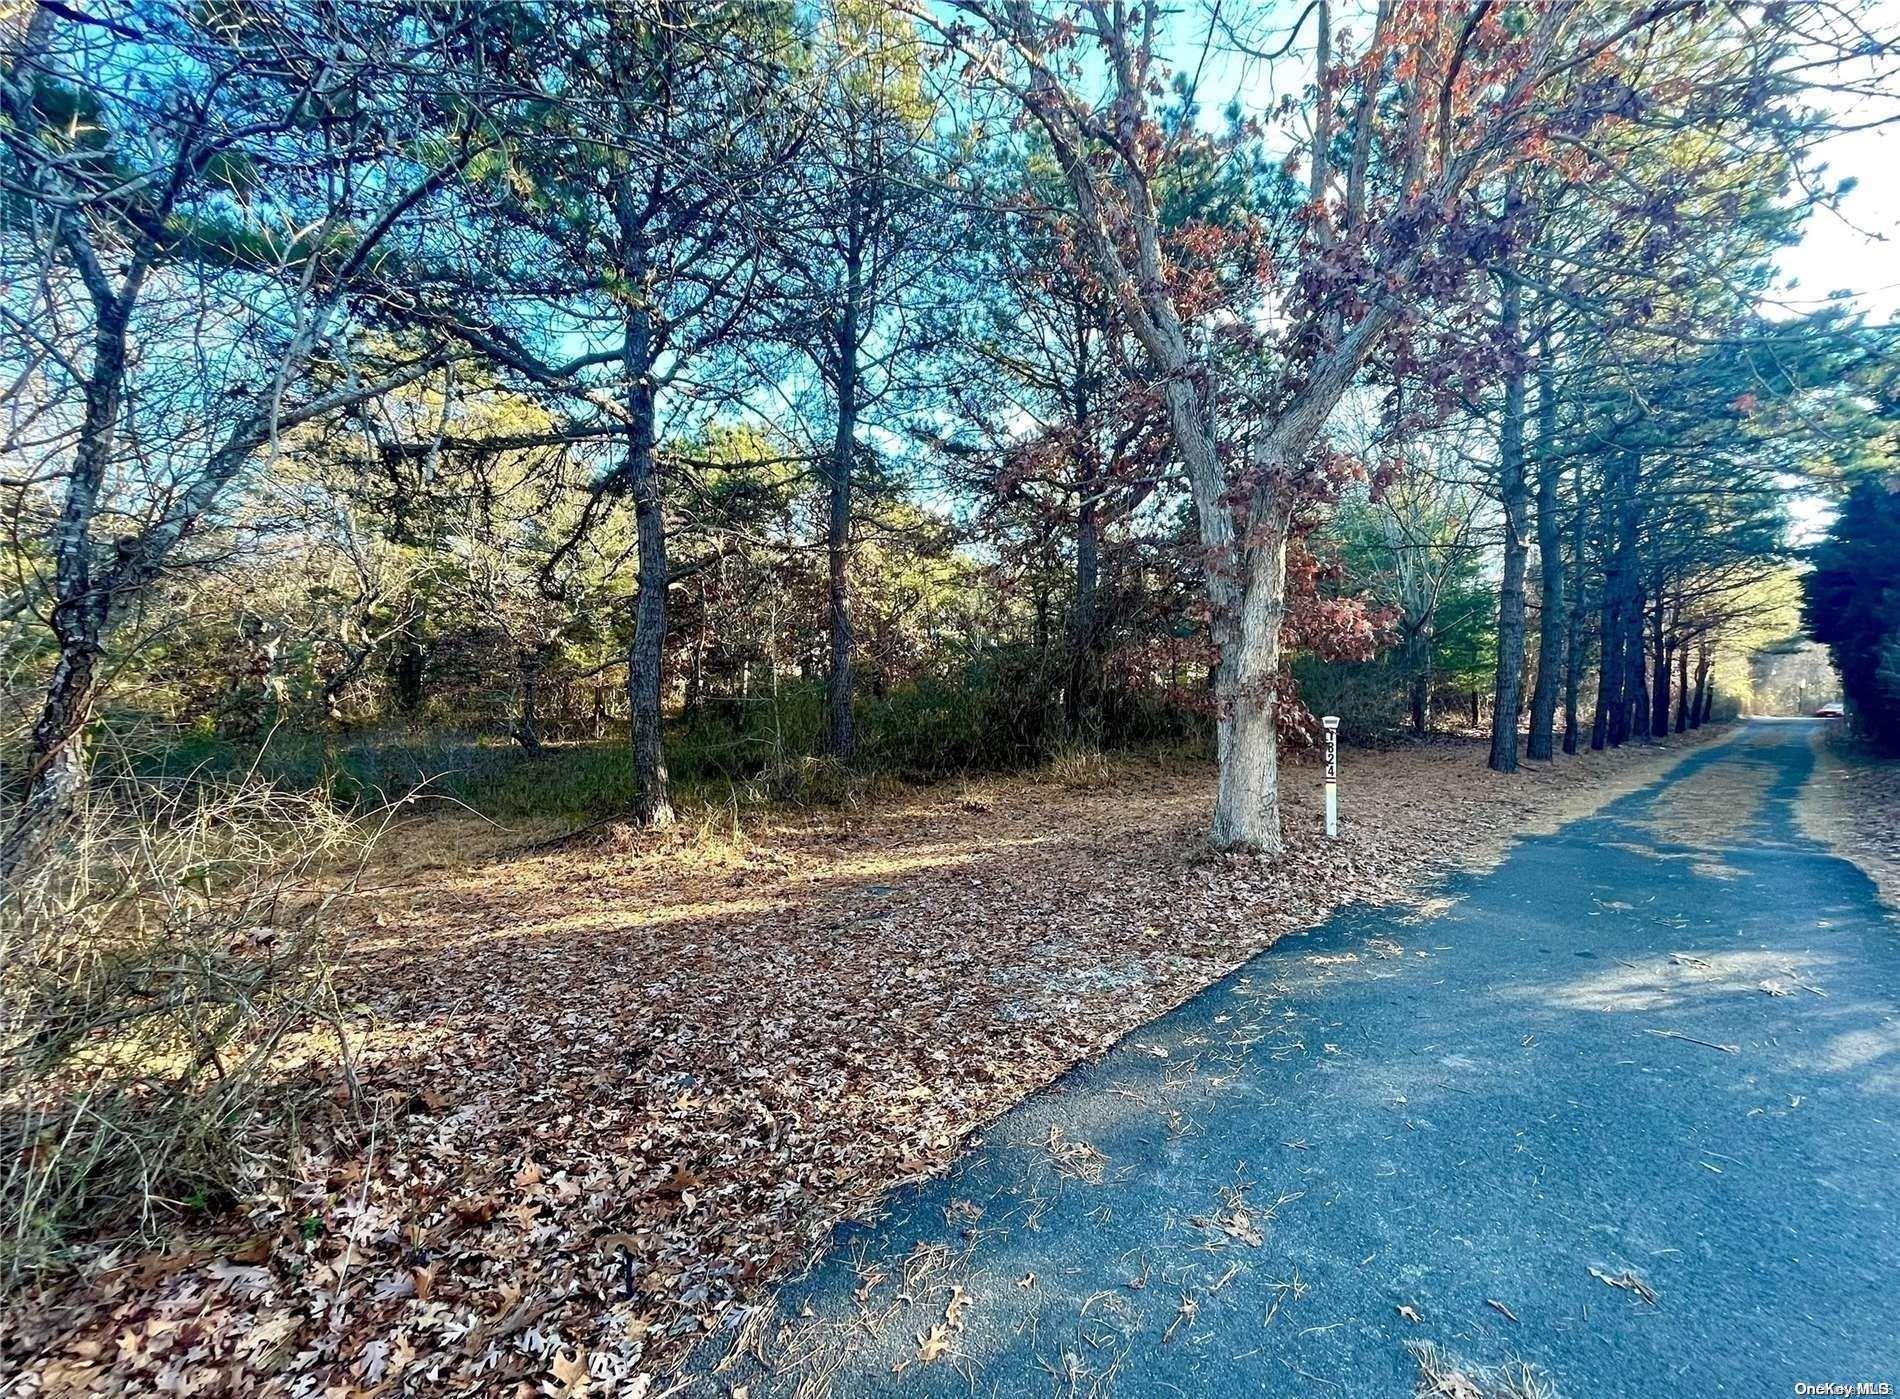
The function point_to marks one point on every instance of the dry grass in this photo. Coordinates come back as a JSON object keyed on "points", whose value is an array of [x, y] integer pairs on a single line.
{"points": [[161, 970], [1440, 1376], [628, 1080]]}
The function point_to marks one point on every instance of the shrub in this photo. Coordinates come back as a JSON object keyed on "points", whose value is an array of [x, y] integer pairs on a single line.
{"points": [[1368, 696], [999, 713], [162, 972]]}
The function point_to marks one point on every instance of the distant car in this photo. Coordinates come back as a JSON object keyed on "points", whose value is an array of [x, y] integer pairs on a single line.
{"points": [[1830, 711]]}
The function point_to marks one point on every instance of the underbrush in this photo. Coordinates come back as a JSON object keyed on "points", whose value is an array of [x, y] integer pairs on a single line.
{"points": [[729, 754], [164, 988]]}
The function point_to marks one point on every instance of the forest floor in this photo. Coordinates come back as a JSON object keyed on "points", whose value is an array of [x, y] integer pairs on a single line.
{"points": [[617, 1083]]}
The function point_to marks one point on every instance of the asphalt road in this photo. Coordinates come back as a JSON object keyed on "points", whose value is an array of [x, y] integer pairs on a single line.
{"points": [[1627, 1110]]}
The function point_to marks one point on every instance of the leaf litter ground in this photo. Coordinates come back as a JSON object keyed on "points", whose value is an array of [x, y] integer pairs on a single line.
{"points": [[618, 1085]]}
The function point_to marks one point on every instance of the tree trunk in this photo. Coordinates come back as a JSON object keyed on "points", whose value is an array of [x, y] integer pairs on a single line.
{"points": [[407, 673], [1082, 698], [1612, 671], [1635, 650], [1506, 696], [1551, 618], [1609, 665], [1659, 667], [1682, 686], [1705, 685], [646, 657], [1083, 681], [82, 603], [1245, 623], [1514, 496], [841, 736], [528, 720], [1247, 800], [56, 770], [1573, 640], [1418, 665], [1193, 436], [1618, 661]]}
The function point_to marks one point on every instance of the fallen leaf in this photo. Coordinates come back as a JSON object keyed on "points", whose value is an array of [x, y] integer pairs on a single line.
{"points": [[953, 1311], [569, 1372], [679, 1181], [255, 1249], [933, 1344]]}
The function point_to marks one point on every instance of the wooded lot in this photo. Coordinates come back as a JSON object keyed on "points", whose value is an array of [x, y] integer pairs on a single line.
{"points": [[571, 436]]}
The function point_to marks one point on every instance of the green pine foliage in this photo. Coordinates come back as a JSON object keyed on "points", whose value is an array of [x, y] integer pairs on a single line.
{"points": [[1853, 603]]}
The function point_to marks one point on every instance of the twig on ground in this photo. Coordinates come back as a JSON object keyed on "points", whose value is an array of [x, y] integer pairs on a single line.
{"points": [[1626, 1280], [1691, 1039]]}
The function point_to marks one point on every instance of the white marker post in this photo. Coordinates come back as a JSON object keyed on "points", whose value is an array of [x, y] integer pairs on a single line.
{"points": [[1331, 721]]}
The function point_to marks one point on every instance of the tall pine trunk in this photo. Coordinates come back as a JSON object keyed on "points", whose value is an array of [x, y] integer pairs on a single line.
{"points": [[646, 655], [1081, 697], [841, 735], [1659, 668], [1514, 496], [1682, 686], [1609, 665], [1573, 639], [1612, 723], [840, 730], [1551, 618], [1636, 687], [1624, 680]]}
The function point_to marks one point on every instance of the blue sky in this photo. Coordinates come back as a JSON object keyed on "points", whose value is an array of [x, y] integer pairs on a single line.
{"points": [[1858, 249]]}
